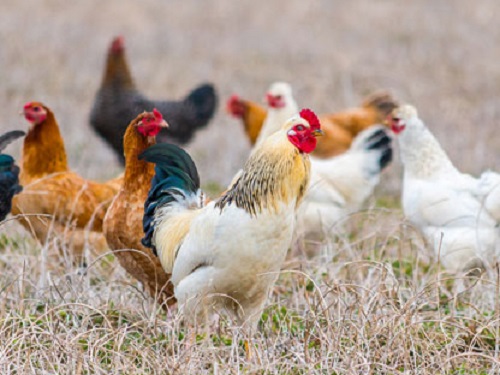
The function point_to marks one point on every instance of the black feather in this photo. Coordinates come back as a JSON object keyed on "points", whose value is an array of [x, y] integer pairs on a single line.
{"points": [[175, 179], [380, 141], [9, 184], [385, 158], [9, 137]]}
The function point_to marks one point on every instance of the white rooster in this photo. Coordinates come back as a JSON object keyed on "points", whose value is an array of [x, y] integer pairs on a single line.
{"points": [[226, 255], [445, 204]]}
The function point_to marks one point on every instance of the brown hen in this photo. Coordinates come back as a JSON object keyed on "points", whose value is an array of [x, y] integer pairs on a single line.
{"points": [[123, 221], [57, 204]]}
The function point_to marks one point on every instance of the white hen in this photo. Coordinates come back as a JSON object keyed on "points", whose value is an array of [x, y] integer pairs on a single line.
{"points": [[445, 204], [281, 106], [340, 185]]}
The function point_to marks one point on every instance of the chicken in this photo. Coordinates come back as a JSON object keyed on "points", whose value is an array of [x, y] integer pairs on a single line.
{"points": [[56, 200], [252, 115], [340, 185], [340, 128], [118, 101], [9, 174], [443, 203], [227, 254], [122, 225], [281, 106]]}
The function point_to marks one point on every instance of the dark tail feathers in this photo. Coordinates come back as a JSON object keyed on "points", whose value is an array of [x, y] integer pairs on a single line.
{"points": [[9, 184], [10, 137], [380, 140], [203, 101], [176, 178]]}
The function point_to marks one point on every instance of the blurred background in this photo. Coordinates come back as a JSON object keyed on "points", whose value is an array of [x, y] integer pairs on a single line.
{"points": [[442, 56]]}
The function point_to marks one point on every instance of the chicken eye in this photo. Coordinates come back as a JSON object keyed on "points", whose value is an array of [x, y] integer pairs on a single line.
{"points": [[300, 128], [36, 109]]}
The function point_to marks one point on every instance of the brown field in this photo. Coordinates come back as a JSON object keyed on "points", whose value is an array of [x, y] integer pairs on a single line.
{"points": [[381, 304]]}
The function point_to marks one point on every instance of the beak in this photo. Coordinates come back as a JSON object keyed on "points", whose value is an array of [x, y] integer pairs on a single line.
{"points": [[164, 124], [318, 132]]}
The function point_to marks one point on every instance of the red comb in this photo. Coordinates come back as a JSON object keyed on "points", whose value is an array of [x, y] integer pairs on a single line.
{"points": [[27, 105], [118, 44], [158, 115], [311, 118]]}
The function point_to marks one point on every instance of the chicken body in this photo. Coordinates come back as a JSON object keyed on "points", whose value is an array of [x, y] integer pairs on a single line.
{"points": [[241, 267], [57, 202], [340, 128], [123, 221], [340, 185], [226, 255], [118, 101], [445, 204]]}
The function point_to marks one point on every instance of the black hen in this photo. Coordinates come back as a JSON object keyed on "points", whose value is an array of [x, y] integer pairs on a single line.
{"points": [[9, 174], [118, 102]]}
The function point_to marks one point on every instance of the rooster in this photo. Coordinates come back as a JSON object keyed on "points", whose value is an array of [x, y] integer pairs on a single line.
{"points": [[9, 174], [340, 128], [118, 101], [123, 221], [57, 200], [227, 254], [445, 204], [340, 185]]}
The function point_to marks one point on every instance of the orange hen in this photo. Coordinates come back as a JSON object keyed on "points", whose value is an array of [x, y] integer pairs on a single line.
{"points": [[123, 221], [340, 128], [56, 203]]}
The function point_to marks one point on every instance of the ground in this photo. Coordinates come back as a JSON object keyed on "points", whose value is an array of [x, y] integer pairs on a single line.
{"points": [[378, 302]]}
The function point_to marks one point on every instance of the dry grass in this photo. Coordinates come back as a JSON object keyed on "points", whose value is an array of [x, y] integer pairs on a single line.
{"points": [[380, 303], [374, 303]]}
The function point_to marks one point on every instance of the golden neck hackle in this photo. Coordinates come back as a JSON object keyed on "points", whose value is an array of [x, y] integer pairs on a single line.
{"points": [[275, 174], [137, 172], [43, 151]]}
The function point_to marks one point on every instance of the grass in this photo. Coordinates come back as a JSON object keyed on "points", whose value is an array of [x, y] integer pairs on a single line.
{"points": [[376, 302]]}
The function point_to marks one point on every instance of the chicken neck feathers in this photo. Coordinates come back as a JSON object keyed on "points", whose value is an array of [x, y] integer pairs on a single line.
{"points": [[43, 150], [267, 178], [422, 155], [275, 118]]}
